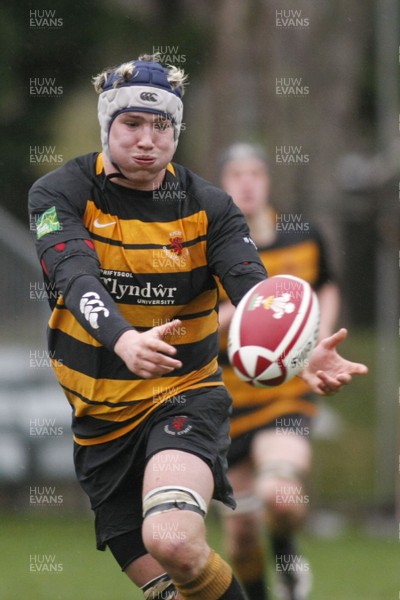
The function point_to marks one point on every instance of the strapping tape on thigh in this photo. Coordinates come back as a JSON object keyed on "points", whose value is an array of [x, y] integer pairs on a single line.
{"points": [[281, 470], [160, 587], [166, 498]]}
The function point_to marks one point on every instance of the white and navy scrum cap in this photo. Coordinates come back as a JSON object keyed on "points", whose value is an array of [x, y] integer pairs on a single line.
{"points": [[138, 85]]}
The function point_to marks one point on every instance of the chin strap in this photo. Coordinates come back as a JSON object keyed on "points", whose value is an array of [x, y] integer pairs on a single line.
{"points": [[118, 172]]}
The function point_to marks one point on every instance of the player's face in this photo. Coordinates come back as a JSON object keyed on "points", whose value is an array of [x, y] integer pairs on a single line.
{"points": [[247, 181], [142, 145]]}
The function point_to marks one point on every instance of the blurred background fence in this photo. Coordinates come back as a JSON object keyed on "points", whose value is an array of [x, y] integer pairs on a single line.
{"points": [[35, 443]]}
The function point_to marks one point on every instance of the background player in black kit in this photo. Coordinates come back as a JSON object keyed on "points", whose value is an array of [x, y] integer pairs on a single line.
{"points": [[270, 453], [133, 242]]}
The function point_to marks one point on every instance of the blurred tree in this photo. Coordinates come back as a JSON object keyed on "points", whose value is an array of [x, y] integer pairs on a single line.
{"points": [[33, 53], [299, 78], [290, 75], [63, 46]]}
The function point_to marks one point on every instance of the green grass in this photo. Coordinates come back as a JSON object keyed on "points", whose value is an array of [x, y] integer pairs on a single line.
{"points": [[353, 566]]}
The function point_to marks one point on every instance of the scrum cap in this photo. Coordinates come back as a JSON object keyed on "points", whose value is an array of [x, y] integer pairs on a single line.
{"points": [[138, 85]]}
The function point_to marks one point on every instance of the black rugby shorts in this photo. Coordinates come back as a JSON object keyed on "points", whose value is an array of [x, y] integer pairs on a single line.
{"points": [[111, 474]]}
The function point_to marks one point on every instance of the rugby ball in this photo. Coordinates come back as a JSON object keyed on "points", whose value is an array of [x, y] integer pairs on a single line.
{"points": [[273, 331]]}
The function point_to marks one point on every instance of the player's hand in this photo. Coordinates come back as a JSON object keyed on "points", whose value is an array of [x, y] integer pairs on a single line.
{"points": [[327, 372], [146, 354]]}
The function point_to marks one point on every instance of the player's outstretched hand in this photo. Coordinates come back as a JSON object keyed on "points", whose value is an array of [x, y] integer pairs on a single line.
{"points": [[327, 371], [146, 354]]}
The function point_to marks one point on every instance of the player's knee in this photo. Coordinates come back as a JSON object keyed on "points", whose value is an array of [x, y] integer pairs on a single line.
{"points": [[290, 513], [286, 509], [173, 531], [167, 543], [281, 488]]}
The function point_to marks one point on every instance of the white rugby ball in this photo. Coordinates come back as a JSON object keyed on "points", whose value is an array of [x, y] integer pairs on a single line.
{"points": [[273, 331]]}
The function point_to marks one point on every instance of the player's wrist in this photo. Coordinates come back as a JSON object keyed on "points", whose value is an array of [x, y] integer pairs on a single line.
{"points": [[122, 337]]}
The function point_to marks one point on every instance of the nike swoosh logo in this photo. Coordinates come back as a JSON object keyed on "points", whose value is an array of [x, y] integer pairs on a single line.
{"points": [[96, 223]]}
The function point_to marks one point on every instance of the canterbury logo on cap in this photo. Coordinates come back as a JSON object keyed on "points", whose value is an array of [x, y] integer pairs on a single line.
{"points": [[149, 97]]}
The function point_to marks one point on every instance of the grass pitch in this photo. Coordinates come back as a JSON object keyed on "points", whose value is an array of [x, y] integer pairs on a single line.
{"points": [[352, 566]]}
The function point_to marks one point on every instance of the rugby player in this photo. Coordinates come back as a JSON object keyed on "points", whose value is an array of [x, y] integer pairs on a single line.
{"points": [[133, 243], [270, 453]]}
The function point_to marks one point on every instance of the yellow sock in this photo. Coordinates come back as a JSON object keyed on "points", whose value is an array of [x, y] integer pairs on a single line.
{"points": [[212, 582]]}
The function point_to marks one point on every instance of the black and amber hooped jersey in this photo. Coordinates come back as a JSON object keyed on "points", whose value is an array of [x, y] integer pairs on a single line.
{"points": [[300, 251], [159, 253]]}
